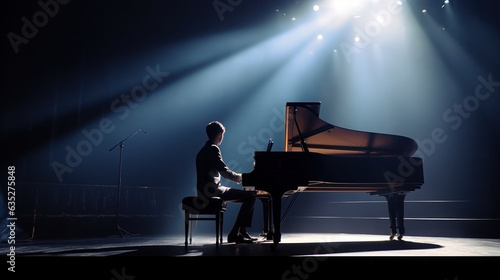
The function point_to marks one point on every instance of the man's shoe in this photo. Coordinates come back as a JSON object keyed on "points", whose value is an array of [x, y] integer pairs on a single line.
{"points": [[238, 239]]}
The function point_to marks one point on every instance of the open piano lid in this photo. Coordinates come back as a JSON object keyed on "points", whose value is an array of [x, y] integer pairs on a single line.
{"points": [[322, 137]]}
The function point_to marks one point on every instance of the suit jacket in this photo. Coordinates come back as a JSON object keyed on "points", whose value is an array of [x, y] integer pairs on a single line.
{"points": [[209, 168]]}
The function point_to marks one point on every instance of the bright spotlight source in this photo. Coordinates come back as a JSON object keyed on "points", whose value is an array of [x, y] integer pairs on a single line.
{"points": [[320, 37], [357, 39], [346, 7], [399, 3], [424, 11], [447, 1], [316, 8]]}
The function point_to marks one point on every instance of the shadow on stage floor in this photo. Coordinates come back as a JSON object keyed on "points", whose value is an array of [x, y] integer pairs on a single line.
{"points": [[285, 249], [146, 247], [299, 255]]}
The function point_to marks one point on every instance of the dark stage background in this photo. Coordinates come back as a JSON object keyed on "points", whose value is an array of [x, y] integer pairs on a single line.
{"points": [[79, 76]]}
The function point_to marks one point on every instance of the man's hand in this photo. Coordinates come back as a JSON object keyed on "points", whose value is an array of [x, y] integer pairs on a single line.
{"points": [[238, 178]]}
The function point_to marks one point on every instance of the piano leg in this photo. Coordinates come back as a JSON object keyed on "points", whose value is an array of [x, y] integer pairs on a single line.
{"points": [[401, 215], [276, 206], [396, 214], [266, 204]]}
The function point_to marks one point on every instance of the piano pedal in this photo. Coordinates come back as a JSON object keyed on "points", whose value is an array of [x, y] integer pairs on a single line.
{"points": [[267, 235], [393, 235]]}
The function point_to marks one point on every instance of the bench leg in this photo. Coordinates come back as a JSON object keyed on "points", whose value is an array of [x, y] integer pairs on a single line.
{"points": [[217, 224], [186, 227], [221, 224]]}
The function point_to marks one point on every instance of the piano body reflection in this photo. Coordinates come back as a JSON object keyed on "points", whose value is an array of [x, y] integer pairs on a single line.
{"points": [[321, 157]]}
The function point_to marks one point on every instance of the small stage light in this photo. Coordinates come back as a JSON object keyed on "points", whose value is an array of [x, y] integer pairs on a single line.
{"points": [[320, 37], [399, 3], [357, 39], [424, 11], [316, 8]]}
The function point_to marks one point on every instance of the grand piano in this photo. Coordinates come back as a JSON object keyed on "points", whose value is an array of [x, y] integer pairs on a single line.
{"points": [[321, 157]]}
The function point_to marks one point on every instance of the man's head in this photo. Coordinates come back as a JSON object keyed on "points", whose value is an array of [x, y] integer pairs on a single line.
{"points": [[215, 132]]}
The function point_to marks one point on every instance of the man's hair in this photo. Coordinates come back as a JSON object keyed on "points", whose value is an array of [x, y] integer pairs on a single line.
{"points": [[214, 128]]}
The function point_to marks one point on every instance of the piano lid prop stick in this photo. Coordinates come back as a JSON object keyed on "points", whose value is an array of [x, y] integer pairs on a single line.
{"points": [[302, 141]]}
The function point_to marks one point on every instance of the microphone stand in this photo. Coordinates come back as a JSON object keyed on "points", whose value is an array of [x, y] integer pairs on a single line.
{"points": [[121, 230]]}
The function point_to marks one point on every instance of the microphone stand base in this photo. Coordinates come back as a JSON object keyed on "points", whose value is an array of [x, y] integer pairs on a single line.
{"points": [[124, 232]]}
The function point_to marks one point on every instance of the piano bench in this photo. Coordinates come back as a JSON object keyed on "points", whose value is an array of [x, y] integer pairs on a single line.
{"points": [[194, 206]]}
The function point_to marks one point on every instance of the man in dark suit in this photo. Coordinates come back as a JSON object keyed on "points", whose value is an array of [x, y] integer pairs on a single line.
{"points": [[209, 169]]}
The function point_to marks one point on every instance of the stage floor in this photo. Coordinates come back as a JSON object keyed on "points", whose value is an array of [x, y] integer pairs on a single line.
{"points": [[299, 256], [295, 244]]}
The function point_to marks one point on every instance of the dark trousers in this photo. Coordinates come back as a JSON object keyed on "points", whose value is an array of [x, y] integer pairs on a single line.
{"points": [[247, 201]]}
